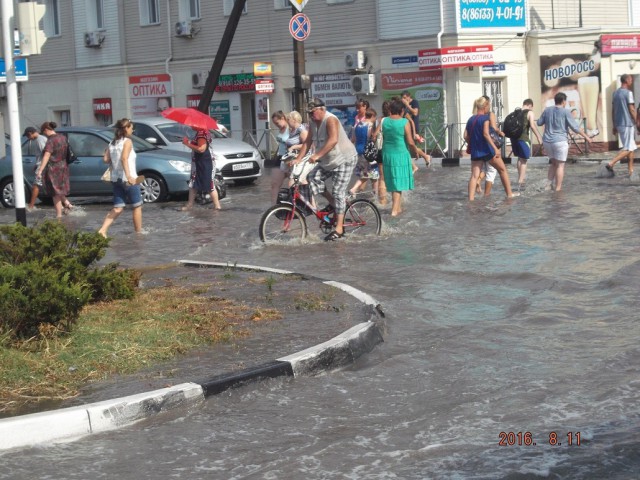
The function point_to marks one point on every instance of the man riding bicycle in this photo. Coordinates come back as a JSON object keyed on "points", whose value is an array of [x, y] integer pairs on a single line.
{"points": [[335, 156]]}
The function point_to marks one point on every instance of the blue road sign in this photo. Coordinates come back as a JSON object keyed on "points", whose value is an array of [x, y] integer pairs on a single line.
{"points": [[22, 73], [300, 27]]}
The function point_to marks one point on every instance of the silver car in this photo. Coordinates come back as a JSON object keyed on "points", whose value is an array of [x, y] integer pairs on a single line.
{"points": [[236, 160]]}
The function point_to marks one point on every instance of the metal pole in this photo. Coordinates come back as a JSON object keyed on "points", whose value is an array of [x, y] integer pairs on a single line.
{"points": [[298, 71], [221, 56], [8, 22]]}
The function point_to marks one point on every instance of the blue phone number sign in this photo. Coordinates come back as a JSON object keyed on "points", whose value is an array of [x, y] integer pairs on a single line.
{"points": [[492, 14]]}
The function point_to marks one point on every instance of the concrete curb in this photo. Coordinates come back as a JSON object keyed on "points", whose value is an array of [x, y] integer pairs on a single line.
{"points": [[69, 424]]}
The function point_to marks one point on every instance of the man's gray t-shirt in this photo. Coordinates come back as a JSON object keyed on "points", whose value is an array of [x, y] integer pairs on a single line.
{"points": [[622, 98]]}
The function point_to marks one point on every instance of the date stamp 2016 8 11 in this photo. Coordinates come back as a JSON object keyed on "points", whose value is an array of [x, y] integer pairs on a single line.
{"points": [[508, 439]]}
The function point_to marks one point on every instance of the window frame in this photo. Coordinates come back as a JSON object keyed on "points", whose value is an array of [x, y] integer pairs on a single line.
{"points": [[146, 12], [227, 7], [51, 20]]}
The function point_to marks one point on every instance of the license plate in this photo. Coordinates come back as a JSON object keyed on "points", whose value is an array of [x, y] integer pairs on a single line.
{"points": [[242, 166]]}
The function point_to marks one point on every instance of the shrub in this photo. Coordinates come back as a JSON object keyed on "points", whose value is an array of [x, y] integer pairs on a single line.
{"points": [[48, 273]]}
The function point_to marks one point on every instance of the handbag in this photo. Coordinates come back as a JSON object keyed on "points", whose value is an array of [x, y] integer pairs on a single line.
{"points": [[497, 139], [106, 176], [71, 157], [370, 151]]}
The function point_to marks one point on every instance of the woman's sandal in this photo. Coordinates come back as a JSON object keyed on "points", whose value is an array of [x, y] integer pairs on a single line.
{"points": [[333, 236], [67, 207]]}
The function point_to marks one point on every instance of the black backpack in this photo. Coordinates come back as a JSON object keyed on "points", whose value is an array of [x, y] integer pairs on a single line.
{"points": [[514, 123]]}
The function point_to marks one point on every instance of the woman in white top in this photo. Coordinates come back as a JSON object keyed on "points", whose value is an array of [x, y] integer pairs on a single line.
{"points": [[124, 177]]}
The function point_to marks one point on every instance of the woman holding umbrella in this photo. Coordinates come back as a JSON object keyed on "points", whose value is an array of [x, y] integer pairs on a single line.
{"points": [[202, 175]]}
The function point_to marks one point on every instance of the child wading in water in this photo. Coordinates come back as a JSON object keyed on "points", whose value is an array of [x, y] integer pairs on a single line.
{"points": [[365, 169]]}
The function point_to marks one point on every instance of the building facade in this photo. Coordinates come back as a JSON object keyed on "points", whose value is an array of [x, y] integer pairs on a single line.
{"points": [[108, 59]]}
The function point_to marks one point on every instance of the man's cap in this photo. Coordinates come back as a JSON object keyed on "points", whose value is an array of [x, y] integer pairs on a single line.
{"points": [[315, 103], [28, 131]]}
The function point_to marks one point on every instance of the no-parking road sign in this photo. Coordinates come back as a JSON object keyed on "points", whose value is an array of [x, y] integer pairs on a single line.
{"points": [[300, 27]]}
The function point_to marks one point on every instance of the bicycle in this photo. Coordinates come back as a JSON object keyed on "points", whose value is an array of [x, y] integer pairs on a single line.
{"points": [[286, 220]]}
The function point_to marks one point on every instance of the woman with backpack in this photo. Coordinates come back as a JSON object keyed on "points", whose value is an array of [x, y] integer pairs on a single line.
{"points": [[202, 176]]}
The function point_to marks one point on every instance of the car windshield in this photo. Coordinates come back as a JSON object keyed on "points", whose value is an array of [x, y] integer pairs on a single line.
{"points": [[175, 132], [139, 145]]}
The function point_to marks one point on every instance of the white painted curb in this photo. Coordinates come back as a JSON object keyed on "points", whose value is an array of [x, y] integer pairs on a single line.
{"points": [[72, 423]]}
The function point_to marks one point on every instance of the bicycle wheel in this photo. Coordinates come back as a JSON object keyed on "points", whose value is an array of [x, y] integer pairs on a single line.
{"points": [[362, 218], [282, 223]]}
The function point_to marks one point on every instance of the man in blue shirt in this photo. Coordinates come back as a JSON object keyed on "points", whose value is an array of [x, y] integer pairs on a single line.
{"points": [[624, 121]]}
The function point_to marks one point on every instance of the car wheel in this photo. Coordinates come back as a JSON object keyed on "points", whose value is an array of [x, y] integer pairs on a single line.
{"points": [[153, 189], [8, 194]]}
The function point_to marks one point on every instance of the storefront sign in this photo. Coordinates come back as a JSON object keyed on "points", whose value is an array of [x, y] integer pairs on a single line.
{"points": [[193, 101], [482, 15], [102, 106], [236, 82], [405, 61], [264, 86], [221, 111], [261, 69], [333, 89], [454, 57], [629, 43], [150, 94]]}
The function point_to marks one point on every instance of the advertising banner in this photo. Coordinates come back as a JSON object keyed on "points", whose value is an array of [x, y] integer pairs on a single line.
{"points": [[221, 111], [455, 57], [578, 77], [622, 43], [497, 15], [427, 88], [150, 94], [334, 90]]}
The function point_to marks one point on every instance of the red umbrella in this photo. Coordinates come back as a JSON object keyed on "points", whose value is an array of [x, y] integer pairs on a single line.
{"points": [[190, 117]]}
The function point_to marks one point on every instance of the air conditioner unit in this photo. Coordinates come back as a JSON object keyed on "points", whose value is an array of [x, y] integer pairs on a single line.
{"points": [[355, 60], [364, 84], [93, 39], [184, 29], [198, 79]]}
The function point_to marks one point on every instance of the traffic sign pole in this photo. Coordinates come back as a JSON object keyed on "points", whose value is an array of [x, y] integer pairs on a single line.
{"points": [[299, 69], [8, 18]]}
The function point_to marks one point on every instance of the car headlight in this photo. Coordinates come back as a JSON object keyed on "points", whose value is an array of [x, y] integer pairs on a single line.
{"points": [[180, 165]]}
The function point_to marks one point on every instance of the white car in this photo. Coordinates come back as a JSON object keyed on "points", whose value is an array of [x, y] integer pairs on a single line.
{"points": [[236, 160]]}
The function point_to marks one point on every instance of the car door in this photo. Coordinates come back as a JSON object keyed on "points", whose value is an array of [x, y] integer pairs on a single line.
{"points": [[85, 172], [29, 149]]}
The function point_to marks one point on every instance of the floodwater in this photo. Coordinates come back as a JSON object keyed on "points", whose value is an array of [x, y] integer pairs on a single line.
{"points": [[512, 348]]}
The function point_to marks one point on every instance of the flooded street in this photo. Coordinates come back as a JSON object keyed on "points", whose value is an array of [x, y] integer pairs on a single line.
{"points": [[512, 349]]}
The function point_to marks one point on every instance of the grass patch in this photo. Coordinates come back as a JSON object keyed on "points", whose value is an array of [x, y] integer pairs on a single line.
{"points": [[119, 337]]}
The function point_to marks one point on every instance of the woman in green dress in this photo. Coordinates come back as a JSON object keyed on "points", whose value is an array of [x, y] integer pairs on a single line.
{"points": [[397, 150]]}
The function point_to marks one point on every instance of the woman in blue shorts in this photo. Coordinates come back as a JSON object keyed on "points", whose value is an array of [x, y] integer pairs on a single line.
{"points": [[124, 177]]}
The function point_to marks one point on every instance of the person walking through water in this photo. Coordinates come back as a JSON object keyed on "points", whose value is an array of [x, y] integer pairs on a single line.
{"points": [[522, 146], [56, 178], [483, 150], [624, 121], [557, 121], [335, 156], [279, 119], [124, 177], [32, 135], [202, 179], [397, 150]]}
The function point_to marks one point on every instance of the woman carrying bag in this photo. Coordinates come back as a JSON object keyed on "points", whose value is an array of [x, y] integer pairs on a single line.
{"points": [[124, 177]]}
